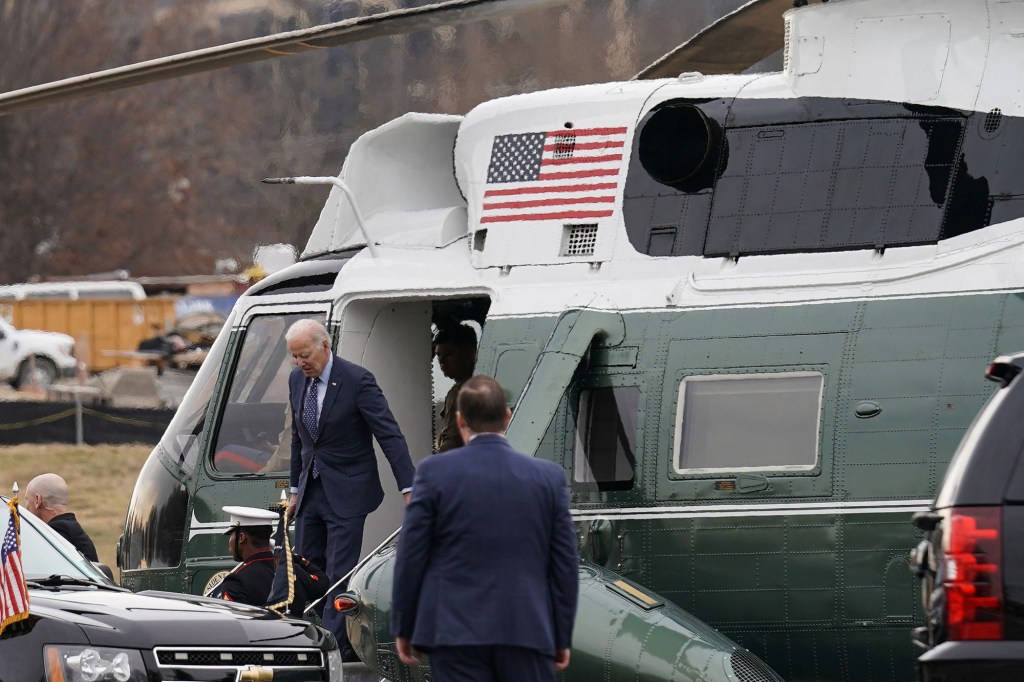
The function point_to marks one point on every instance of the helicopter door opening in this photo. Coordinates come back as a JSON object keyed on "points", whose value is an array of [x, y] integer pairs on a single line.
{"points": [[254, 434], [393, 340], [246, 439]]}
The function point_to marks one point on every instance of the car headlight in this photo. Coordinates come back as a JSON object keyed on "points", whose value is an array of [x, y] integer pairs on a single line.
{"points": [[334, 665], [68, 663]]}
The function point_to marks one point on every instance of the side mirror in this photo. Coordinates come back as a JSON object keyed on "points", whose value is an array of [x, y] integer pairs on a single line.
{"points": [[105, 570], [926, 521]]}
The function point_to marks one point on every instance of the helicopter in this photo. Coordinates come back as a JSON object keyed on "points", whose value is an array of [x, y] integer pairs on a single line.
{"points": [[745, 312]]}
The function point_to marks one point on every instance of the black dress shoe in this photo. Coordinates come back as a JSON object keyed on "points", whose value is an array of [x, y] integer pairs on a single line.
{"points": [[348, 655]]}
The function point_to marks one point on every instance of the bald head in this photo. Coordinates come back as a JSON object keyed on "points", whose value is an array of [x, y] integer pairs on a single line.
{"points": [[481, 406], [46, 496]]}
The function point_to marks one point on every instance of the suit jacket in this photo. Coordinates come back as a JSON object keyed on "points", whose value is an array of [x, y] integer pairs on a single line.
{"points": [[250, 581], [68, 526], [487, 553], [354, 412]]}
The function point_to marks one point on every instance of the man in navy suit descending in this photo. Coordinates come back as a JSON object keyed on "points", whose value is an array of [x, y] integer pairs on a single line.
{"points": [[486, 576], [338, 409]]}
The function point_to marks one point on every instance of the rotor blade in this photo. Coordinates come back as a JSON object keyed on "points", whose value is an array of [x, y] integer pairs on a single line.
{"points": [[732, 44], [344, 32]]}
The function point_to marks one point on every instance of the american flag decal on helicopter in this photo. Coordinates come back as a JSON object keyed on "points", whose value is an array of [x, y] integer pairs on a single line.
{"points": [[567, 174]]}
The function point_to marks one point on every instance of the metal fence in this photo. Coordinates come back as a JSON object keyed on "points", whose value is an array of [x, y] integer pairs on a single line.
{"points": [[68, 422]]}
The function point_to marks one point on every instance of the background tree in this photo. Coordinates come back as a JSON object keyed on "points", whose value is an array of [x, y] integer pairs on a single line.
{"points": [[164, 178]]}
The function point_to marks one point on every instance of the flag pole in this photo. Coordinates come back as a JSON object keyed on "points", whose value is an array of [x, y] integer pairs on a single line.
{"points": [[14, 511]]}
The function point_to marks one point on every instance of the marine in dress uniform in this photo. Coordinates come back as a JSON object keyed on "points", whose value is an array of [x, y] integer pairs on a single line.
{"points": [[249, 541]]}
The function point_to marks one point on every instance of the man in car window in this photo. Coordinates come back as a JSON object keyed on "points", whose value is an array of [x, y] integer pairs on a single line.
{"points": [[47, 497]]}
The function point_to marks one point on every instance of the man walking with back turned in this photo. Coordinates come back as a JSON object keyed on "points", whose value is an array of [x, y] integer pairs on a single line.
{"points": [[487, 575]]}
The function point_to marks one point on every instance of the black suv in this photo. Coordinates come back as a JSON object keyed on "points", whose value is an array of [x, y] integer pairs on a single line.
{"points": [[84, 628], [971, 561]]}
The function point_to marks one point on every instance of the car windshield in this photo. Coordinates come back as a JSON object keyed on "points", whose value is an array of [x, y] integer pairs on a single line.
{"points": [[44, 552]]}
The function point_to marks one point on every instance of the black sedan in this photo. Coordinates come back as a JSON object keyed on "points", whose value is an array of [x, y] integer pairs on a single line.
{"points": [[82, 627]]}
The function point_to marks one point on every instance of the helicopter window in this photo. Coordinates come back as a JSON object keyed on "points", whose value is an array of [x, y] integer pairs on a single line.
{"points": [[605, 439], [180, 441], [748, 421], [297, 285], [773, 182], [255, 430], [822, 185]]}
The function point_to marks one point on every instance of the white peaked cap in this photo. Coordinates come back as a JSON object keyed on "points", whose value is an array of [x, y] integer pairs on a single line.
{"points": [[249, 516]]}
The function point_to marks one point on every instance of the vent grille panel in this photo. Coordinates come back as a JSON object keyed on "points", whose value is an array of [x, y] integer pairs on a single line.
{"points": [[993, 120], [565, 145], [579, 240], [785, 47], [749, 668]]}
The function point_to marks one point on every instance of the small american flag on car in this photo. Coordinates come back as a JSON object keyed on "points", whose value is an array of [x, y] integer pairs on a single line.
{"points": [[570, 174], [13, 591]]}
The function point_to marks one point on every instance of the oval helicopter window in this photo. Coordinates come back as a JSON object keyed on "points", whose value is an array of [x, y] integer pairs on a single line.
{"points": [[677, 145]]}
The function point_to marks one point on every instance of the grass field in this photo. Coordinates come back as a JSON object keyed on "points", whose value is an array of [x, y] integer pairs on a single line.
{"points": [[100, 482]]}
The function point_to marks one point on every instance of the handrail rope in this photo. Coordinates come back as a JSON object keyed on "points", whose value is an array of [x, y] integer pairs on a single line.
{"points": [[70, 412], [36, 422], [120, 420]]}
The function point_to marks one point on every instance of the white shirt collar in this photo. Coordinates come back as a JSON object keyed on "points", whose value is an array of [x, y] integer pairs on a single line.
{"points": [[325, 375], [486, 433]]}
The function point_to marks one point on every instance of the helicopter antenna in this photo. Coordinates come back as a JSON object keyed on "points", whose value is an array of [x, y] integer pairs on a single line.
{"points": [[340, 184]]}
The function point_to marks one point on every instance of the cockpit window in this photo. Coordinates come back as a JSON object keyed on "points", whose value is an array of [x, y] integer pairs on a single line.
{"points": [[255, 429], [604, 451], [735, 422], [180, 441]]}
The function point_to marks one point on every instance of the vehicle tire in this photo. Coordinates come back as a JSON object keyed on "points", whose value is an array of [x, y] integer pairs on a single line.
{"points": [[40, 373]]}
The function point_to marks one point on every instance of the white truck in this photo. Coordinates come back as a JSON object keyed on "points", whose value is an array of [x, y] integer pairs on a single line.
{"points": [[30, 357]]}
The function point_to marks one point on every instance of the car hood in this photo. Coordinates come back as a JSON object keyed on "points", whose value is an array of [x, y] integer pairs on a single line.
{"points": [[126, 619]]}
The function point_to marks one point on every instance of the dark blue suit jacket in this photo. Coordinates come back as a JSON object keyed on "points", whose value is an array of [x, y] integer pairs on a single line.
{"points": [[487, 553], [353, 413]]}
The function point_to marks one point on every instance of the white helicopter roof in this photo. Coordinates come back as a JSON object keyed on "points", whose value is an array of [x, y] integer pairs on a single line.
{"points": [[959, 54]]}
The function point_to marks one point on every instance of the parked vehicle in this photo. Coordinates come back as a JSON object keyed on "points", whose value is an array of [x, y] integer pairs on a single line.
{"points": [[30, 357], [971, 561], [84, 627], [72, 290]]}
